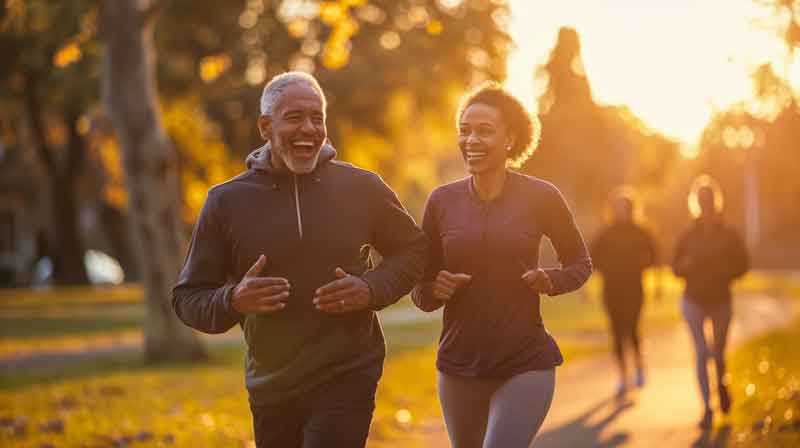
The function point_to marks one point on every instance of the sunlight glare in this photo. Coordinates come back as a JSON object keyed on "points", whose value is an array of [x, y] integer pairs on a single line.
{"points": [[673, 63]]}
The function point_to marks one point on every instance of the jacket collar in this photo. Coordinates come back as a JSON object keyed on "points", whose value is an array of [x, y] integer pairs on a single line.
{"points": [[259, 159]]}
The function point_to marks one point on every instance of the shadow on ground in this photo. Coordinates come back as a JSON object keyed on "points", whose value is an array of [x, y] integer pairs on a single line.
{"points": [[713, 438], [590, 425]]}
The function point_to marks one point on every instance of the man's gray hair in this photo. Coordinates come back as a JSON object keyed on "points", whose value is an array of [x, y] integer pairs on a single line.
{"points": [[275, 87]]}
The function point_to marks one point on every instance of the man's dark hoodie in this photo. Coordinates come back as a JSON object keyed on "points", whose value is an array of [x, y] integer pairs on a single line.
{"points": [[306, 225]]}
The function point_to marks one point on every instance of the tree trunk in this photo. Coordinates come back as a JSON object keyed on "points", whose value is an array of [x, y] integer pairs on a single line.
{"points": [[68, 263], [67, 246], [129, 91], [115, 224]]}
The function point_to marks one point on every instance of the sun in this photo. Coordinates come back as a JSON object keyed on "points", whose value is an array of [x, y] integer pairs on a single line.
{"points": [[672, 63]]}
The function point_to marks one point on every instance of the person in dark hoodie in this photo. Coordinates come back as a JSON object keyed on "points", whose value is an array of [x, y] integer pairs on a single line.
{"points": [[496, 360], [621, 252], [710, 255], [278, 250]]}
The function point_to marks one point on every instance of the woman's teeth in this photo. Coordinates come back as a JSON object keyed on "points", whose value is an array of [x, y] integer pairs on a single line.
{"points": [[475, 155]]}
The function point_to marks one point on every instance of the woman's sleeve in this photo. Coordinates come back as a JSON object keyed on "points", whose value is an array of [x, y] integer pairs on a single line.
{"points": [[422, 294], [576, 265]]}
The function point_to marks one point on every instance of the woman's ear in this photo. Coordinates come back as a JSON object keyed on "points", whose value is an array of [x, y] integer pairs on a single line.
{"points": [[510, 143]]}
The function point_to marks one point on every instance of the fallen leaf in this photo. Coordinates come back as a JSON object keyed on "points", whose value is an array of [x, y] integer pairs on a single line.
{"points": [[53, 426]]}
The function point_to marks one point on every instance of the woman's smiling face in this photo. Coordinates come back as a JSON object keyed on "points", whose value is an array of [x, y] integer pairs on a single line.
{"points": [[483, 138]]}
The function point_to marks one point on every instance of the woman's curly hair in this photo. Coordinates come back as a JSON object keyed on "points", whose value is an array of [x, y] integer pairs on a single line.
{"points": [[524, 126]]}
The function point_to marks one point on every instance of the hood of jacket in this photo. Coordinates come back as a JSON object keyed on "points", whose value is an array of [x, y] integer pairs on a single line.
{"points": [[259, 158]]}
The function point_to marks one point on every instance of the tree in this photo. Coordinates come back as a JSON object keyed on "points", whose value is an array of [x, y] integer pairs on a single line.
{"points": [[756, 141], [365, 55], [129, 89], [787, 20], [43, 77], [588, 149]]}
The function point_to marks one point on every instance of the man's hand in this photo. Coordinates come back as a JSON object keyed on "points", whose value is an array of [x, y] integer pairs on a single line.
{"points": [[260, 295], [447, 284], [538, 281], [346, 294]]}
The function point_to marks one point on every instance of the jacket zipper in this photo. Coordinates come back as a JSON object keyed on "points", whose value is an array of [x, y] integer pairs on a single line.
{"points": [[297, 208]]}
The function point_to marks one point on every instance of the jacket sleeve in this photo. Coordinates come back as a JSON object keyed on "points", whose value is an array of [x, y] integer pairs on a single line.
{"points": [[202, 297], [738, 262], [422, 295], [651, 250], [576, 265], [401, 245], [678, 267]]}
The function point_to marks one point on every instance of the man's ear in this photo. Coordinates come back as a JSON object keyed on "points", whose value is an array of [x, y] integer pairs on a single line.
{"points": [[265, 127]]}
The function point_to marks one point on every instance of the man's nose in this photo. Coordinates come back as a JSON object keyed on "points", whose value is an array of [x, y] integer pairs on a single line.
{"points": [[307, 125]]}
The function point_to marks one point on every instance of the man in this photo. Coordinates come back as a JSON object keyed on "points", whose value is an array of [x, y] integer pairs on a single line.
{"points": [[278, 250]]}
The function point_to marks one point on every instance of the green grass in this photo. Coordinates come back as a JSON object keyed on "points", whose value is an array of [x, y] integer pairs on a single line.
{"points": [[765, 387], [110, 399], [104, 401], [41, 320]]}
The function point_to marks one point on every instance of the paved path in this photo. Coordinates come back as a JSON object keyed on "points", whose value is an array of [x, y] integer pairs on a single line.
{"points": [[664, 413]]}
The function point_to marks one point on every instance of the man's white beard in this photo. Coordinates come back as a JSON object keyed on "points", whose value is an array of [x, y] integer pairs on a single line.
{"points": [[301, 166], [296, 165]]}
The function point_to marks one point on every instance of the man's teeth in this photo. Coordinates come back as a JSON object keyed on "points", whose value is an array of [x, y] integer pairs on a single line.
{"points": [[304, 144], [475, 155]]}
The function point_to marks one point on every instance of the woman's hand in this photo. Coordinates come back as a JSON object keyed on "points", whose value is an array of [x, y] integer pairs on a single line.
{"points": [[538, 281], [447, 284]]}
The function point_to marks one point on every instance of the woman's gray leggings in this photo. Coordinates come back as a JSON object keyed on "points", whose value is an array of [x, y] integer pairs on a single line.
{"points": [[720, 316], [495, 413]]}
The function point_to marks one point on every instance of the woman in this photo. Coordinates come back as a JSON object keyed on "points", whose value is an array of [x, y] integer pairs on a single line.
{"points": [[496, 359], [622, 251], [709, 256]]}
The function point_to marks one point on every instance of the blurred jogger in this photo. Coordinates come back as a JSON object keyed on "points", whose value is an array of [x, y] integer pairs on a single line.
{"points": [[621, 252], [709, 256]]}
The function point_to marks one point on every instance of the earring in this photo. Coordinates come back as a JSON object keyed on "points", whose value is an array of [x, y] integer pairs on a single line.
{"points": [[508, 148]]}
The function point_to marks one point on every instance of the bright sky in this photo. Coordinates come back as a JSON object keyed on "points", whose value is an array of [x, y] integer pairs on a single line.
{"points": [[670, 61]]}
